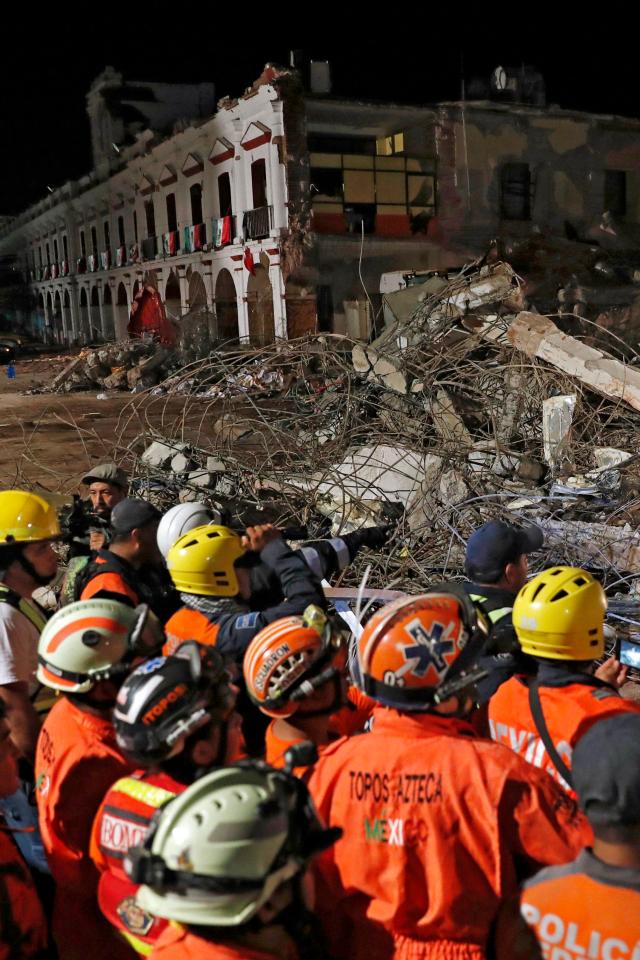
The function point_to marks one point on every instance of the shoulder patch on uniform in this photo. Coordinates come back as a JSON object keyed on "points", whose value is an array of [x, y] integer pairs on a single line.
{"points": [[603, 694], [134, 917], [246, 621]]}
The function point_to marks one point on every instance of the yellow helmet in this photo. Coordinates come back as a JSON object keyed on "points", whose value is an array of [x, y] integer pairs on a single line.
{"points": [[559, 615], [202, 561], [26, 518]]}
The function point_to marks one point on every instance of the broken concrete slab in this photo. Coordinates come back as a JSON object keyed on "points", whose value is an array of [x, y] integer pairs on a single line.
{"points": [[538, 336], [201, 478], [181, 463], [161, 453]]}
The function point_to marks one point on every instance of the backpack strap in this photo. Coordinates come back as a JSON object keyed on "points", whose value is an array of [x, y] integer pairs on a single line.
{"points": [[535, 706]]}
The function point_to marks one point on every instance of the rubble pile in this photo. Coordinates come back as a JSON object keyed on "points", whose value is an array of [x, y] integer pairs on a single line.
{"points": [[468, 406], [128, 365]]}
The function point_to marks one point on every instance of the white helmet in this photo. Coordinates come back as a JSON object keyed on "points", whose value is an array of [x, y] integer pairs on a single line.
{"points": [[181, 519], [217, 853], [88, 641]]}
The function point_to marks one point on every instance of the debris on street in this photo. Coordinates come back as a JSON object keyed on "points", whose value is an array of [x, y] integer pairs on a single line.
{"points": [[466, 407]]}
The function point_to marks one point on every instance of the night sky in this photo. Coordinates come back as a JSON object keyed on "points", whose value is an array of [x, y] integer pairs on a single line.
{"points": [[46, 68]]}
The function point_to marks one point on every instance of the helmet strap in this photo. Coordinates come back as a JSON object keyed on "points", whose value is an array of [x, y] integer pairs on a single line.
{"points": [[29, 568], [335, 704]]}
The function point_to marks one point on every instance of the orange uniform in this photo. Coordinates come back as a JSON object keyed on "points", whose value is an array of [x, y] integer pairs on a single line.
{"points": [[353, 717], [571, 704], [178, 944], [439, 825], [23, 929], [188, 624], [112, 583], [121, 822], [585, 909], [77, 760]]}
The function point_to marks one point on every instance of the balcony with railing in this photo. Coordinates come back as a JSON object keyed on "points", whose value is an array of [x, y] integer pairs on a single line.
{"points": [[257, 223]]}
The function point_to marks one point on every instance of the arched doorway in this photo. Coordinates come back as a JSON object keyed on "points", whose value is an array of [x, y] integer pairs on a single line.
{"points": [[172, 299], [49, 334], [85, 322], [39, 324], [260, 305], [67, 319], [108, 327], [96, 321], [226, 306], [197, 291], [56, 320], [121, 312]]}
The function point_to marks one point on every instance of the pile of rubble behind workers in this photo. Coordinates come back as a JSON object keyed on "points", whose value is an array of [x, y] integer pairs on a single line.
{"points": [[132, 365], [467, 406]]}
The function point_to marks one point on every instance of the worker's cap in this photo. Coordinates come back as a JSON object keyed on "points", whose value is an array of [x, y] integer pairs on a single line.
{"points": [[495, 544], [605, 767], [132, 514], [108, 473]]}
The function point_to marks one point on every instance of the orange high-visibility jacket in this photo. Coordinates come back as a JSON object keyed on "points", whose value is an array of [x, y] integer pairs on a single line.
{"points": [[571, 704], [77, 760], [121, 822], [439, 825], [110, 582], [177, 943], [585, 909], [188, 624], [23, 928]]}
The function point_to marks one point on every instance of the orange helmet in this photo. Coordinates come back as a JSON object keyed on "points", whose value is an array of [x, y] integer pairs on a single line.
{"points": [[286, 661], [419, 651]]}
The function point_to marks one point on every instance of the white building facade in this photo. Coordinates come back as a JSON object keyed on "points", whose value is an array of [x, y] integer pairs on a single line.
{"points": [[200, 215]]}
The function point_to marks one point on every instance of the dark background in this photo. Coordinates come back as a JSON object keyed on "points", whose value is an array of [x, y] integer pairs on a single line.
{"points": [[589, 60]]}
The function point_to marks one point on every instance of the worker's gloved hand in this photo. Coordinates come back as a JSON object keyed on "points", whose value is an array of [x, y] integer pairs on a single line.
{"points": [[372, 537]]}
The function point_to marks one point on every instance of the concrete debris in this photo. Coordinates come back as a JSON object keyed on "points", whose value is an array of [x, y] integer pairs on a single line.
{"points": [[466, 407], [539, 337], [129, 365]]}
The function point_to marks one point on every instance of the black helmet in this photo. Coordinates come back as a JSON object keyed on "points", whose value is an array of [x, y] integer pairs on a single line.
{"points": [[167, 698]]}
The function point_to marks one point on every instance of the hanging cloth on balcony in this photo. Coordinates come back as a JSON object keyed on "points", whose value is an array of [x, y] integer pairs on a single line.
{"points": [[248, 261]]}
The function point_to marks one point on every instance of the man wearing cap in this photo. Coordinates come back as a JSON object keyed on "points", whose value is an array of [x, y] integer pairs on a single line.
{"points": [[130, 569], [590, 907], [108, 485], [496, 564]]}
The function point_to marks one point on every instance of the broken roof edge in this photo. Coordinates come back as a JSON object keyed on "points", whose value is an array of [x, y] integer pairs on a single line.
{"points": [[550, 110]]}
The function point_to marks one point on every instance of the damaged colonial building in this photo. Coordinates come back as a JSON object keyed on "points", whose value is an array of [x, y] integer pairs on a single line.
{"points": [[290, 209]]}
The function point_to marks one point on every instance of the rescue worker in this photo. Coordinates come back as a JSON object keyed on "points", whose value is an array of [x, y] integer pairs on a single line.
{"points": [[439, 825], [23, 928], [131, 569], [85, 651], [88, 522], [225, 863], [108, 485], [210, 566], [559, 620], [496, 564], [28, 526], [294, 671], [591, 906], [175, 720], [325, 558]]}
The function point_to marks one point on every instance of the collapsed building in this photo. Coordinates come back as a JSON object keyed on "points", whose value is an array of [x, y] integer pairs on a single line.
{"points": [[290, 210]]}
